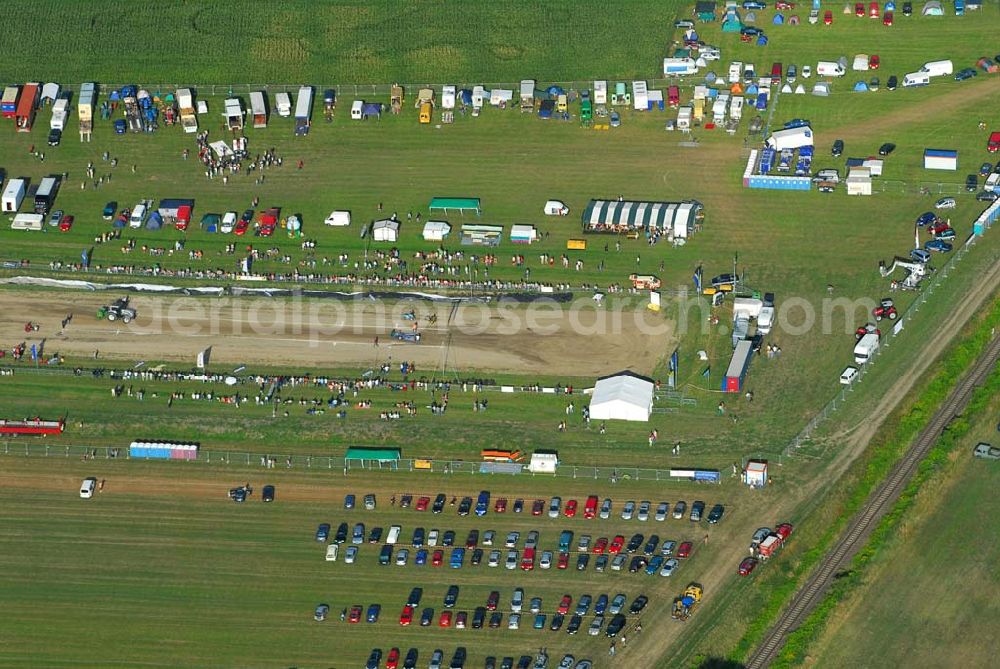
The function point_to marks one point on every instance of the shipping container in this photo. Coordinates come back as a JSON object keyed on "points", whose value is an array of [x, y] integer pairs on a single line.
{"points": [[738, 366], [27, 106]]}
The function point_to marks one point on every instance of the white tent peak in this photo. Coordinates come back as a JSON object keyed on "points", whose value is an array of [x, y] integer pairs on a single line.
{"points": [[622, 396]]}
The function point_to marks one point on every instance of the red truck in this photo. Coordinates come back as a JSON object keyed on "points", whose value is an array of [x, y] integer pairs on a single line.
{"points": [[993, 143]]}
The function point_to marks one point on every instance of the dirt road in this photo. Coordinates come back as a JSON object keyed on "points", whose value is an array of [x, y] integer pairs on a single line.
{"points": [[557, 340]]}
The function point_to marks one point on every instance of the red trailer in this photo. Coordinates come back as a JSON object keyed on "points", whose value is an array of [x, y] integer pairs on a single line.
{"points": [[33, 426], [738, 366], [24, 118]]}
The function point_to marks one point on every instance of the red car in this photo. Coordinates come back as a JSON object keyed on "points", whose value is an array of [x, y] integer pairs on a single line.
{"points": [[66, 223], [445, 620], [776, 72], [782, 4], [492, 601], [528, 559], [873, 10], [501, 505], [993, 143], [241, 227], [355, 615], [747, 566], [537, 507], [437, 558], [684, 550], [590, 508], [938, 228], [563, 561], [887, 19], [570, 509], [873, 62], [600, 546], [859, 9], [827, 18], [616, 545], [406, 617], [784, 530], [423, 503], [392, 662], [564, 604]]}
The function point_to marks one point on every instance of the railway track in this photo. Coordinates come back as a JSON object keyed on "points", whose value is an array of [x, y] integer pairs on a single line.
{"points": [[857, 532]]}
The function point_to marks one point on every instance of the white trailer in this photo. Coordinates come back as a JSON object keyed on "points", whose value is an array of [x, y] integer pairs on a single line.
{"points": [[640, 96], [735, 72], [866, 348], [13, 195], [258, 109], [233, 111], [792, 138], [684, 118], [736, 108], [303, 110], [527, 95], [85, 110], [600, 92], [447, 97], [32, 222], [283, 104], [478, 93], [674, 67], [916, 79], [719, 108], [185, 103], [60, 110], [357, 108]]}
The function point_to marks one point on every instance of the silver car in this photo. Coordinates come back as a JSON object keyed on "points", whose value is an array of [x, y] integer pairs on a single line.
{"points": [[668, 548], [517, 600], [669, 566], [595, 626], [512, 538], [679, 509], [945, 203], [532, 540], [546, 560], [511, 562], [488, 537], [494, 559], [644, 510], [554, 505], [584, 543], [617, 604], [369, 502], [514, 621], [605, 512], [628, 511], [662, 509]]}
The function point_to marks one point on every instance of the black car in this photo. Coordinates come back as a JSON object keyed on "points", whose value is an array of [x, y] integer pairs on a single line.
{"points": [[634, 543], [374, 659], [907, 8], [419, 536], [524, 662], [411, 659], [967, 73], [886, 149], [838, 148], [491, 662], [971, 183], [518, 506], [426, 617], [448, 538], [55, 136], [715, 515], [638, 563], [582, 561], [451, 597], [891, 83], [574, 624], [615, 626], [341, 535], [465, 506], [405, 501], [478, 617], [385, 555], [458, 659], [639, 604], [557, 622], [496, 618], [697, 509], [986, 196], [652, 544], [267, 493], [415, 596], [723, 280], [439, 503], [477, 557], [507, 663], [375, 535]]}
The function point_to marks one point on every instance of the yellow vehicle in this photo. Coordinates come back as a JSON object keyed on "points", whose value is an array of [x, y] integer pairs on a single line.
{"points": [[576, 244], [425, 112], [699, 110], [685, 605], [425, 103], [561, 105]]}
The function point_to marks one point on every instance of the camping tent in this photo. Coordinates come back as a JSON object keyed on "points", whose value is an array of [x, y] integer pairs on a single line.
{"points": [[800, 90], [822, 89], [386, 230], [793, 20], [155, 221], [861, 87], [933, 8], [623, 396], [749, 18], [787, 88], [436, 231], [762, 40], [778, 20]]}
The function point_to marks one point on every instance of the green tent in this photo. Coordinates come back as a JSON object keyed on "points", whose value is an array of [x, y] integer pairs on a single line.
{"points": [[460, 204], [379, 455], [732, 22]]}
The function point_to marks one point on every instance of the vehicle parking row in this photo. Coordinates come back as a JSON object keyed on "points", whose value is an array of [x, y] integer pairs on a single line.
{"points": [[460, 657]]}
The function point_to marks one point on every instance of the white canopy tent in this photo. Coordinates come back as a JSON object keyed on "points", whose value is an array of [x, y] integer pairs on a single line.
{"points": [[50, 91], [436, 231], [623, 396], [385, 231]]}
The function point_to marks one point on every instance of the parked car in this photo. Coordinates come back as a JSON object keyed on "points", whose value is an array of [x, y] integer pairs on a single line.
{"points": [[697, 509], [370, 501], [439, 503], [965, 73], [668, 548], [373, 613], [605, 512], [321, 612], [615, 626], [838, 148], [986, 196], [643, 514], [938, 245], [628, 510], [715, 515], [873, 62], [754, 4], [886, 149], [616, 545], [892, 82], [921, 256], [554, 504], [451, 596], [985, 169], [638, 563], [341, 536], [323, 532], [354, 615], [465, 506], [615, 119], [574, 624], [684, 550], [747, 566], [679, 510], [570, 510], [537, 507], [683, 24], [374, 659], [351, 555], [971, 183], [458, 658], [669, 567]]}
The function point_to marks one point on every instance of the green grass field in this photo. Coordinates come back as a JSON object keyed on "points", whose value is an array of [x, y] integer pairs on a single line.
{"points": [[162, 570], [935, 574]]}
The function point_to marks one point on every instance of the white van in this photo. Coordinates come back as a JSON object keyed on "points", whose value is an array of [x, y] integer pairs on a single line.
{"points": [[848, 375], [88, 487], [138, 216], [826, 68], [938, 68], [916, 79], [393, 535], [356, 108]]}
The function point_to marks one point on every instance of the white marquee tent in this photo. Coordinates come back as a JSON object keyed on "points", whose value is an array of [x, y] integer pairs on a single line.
{"points": [[385, 231], [623, 396]]}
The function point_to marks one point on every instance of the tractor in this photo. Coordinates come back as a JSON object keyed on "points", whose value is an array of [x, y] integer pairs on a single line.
{"points": [[120, 309], [867, 328], [886, 309]]}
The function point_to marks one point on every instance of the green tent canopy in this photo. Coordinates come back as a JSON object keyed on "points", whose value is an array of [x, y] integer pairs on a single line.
{"points": [[459, 204], [372, 455]]}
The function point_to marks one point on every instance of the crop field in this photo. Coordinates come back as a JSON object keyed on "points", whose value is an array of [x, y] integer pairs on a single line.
{"points": [[936, 574], [349, 41], [192, 579]]}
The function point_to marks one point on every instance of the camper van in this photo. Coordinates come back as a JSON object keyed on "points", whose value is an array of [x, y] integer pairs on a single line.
{"points": [[937, 68], [393, 536], [356, 108], [699, 110], [866, 349], [31, 222], [478, 92], [138, 216], [826, 68], [59, 112], [447, 97], [684, 118], [916, 79], [283, 104], [736, 108], [600, 92], [679, 66], [735, 72], [527, 95]]}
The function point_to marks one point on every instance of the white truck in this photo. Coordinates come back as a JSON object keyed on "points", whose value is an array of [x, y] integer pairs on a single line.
{"points": [[447, 97], [765, 320], [60, 110], [866, 348], [827, 68], [185, 103], [938, 68]]}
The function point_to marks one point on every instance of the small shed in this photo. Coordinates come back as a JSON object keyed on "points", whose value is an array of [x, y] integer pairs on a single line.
{"points": [[941, 159], [622, 396], [544, 462], [523, 234], [859, 182], [436, 231], [755, 473], [386, 230]]}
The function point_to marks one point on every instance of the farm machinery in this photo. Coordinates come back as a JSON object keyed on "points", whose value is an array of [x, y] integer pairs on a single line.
{"points": [[403, 335], [915, 272], [120, 309], [685, 605], [885, 309]]}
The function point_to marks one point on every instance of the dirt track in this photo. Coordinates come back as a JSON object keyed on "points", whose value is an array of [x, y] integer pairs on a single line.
{"points": [[278, 332]]}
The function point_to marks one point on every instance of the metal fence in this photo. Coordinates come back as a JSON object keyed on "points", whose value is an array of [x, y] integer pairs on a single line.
{"points": [[843, 396], [338, 464]]}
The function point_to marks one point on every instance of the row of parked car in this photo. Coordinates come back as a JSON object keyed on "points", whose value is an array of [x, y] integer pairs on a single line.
{"points": [[460, 656]]}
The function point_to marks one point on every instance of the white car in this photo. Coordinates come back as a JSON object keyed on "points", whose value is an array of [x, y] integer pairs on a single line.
{"points": [[514, 621], [710, 53], [644, 511], [668, 548], [511, 562], [401, 557], [350, 555], [662, 509], [331, 552], [517, 600], [806, 72], [546, 561], [512, 538], [338, 218], [228, 222], [494, 559], [945, 203], [554, 505], [628, 511], [488, 537], [432, 538], [88, 487]]}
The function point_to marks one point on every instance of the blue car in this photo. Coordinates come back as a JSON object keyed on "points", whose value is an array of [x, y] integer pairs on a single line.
{"points": [[420, 559], [601, 605], [457, 558], [797, 123], [483, 503], [967, 73], [120, 127], [926, 218], [373, 612], [654, 565], [349, 502], [938, 245], [323, 532], [539, 621]]}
